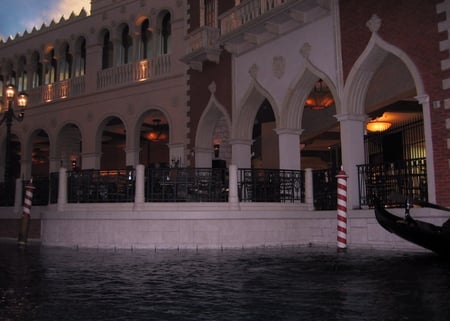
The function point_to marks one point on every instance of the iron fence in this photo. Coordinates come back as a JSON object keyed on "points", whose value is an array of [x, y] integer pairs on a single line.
{"points": [[271, 185], [100, 186], [393, 182], [7, 193], [325, 189], [186, 185]]}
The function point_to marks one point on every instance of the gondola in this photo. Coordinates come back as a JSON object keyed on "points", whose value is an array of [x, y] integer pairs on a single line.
{"points": [[427, 235]]}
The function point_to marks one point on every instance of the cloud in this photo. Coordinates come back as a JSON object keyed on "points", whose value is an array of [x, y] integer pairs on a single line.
{"points": [[54, 10]]}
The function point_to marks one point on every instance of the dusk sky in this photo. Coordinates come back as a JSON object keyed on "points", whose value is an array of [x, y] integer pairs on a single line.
{"points": [[16, 16]]}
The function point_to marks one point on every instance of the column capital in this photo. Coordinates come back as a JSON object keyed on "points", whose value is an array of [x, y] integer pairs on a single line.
{"points": [[289, 131], [353, 117]]}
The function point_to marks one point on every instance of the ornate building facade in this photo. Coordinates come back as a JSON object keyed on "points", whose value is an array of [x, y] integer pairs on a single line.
{"points": [[287, 88]]}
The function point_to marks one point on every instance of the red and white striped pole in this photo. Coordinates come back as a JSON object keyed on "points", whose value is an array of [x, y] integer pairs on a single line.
{"points": [[25, 220], [341, 210]]}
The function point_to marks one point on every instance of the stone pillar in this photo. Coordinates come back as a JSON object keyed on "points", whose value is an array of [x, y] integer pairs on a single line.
{"points": [[203, 157], [241, 153], [233, 199], [352, 146], [62, 188], [131, 157], [309, 188], [90, 160], [139, 195], [289, 148]]}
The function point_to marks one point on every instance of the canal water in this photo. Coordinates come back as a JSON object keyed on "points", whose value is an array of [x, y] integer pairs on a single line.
{"points": [[295, 283]]}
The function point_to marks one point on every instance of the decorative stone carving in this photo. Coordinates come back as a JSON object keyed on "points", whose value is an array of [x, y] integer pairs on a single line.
{"points": [[253, 71], [305, 50], [212, 88], [374, 23], [278, 66]]}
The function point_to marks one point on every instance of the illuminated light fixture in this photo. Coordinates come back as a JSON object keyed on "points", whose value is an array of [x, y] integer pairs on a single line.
{"points": [[320, 97], [156, 133], [378, 126]]}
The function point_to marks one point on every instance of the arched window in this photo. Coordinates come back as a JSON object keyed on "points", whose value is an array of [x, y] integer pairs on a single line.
{"points": [[65, 66], [50, 71], [125, 46], [22, 77], [12, 75], [107, 55], [80, 58], [145, 50], [2, 86], [166, 32], [36, 79]]}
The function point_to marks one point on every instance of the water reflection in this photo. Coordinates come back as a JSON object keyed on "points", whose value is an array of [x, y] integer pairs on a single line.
{"points": [[264, 284]]}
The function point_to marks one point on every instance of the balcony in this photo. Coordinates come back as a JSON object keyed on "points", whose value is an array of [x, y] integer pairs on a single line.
{"points": [[134, 72], [203, 45], [256, 22], [57, 91]]}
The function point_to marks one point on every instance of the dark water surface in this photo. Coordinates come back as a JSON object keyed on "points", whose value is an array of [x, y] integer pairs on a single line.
{"points": [[262, 284]]}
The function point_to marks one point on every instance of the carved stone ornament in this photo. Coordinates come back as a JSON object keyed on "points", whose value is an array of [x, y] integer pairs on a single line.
{"points": [[374, 23], [305, 50], [253, 71], [212, 88], [278, 66]]}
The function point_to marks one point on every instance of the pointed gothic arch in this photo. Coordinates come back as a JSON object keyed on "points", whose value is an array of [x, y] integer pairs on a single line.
{"points": [[204, 137], [249, 106]]}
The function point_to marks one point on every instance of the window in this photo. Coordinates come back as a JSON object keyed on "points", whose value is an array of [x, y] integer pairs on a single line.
{"points": [[50, 70], [80, 58], [146, 39], [65, 68], [166, 32], [107, 53], [36, 79], [22, 78], [125, 46], [208, 13]]}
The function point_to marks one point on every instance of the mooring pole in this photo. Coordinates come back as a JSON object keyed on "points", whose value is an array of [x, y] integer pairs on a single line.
{"points": [[341, 210], [25, 220]]}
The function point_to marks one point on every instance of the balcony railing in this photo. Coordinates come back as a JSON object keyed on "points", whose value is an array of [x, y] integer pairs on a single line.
{"points": [[246, 12], [392, 182], [186, 185], [100, 186], [325, 189], [205, 37], [271, 185], [387, 181], [59, 90], [134, 72]]}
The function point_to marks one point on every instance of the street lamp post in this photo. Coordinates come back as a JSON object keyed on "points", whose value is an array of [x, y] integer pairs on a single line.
{"points": [[21, 100]]}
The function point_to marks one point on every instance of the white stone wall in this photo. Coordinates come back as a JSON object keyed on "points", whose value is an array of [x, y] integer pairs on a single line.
{"points": [[214, 226]]}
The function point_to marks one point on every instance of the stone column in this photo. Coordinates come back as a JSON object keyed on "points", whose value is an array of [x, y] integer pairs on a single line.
{"points": [[289, 148], [352, 149], [241, 153], [233, 199], [139, 195], [62, 188]]}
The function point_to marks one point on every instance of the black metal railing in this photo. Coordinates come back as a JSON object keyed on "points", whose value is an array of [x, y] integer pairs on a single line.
{"points": [[7, 193], [271, 185], [393, 182], [325, 189], [41, 190], [100, 186], [54, 187], [186, 185]]}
